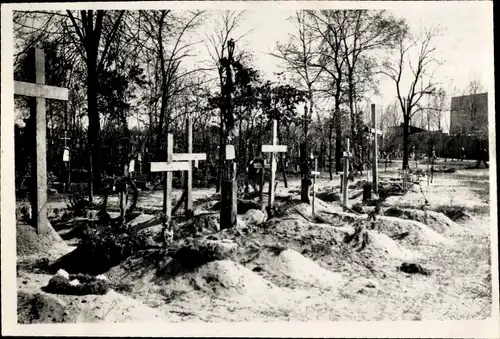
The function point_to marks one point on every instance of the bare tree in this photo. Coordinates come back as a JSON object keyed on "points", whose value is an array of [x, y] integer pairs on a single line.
{"points": [[167, 31], [299, 56], [327, 29], [419, 68], [226, 27]]}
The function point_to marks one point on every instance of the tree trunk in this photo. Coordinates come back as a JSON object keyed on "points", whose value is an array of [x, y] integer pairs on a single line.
{"points": [[330, 148], [406, 125], [305, 183], [94, 124]]}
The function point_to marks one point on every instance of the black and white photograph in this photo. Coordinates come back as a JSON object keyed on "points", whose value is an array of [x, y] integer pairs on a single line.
{"points": [[251, 163]]}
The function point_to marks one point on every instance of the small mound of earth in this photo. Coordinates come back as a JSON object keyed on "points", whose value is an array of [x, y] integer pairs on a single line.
{"points": [[328, 196], [435, 220], [253, 217], [304, 209], [381, 243], [30, 244], [35, 306], [226, 279], [294, 265], [418, 232], [455, 213]]}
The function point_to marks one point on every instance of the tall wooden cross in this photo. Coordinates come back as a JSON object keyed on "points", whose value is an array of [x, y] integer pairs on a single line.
{"points": [[314, 174], [375, 133], [346, 156], [39, 93], [189, 156], [273, 148]]}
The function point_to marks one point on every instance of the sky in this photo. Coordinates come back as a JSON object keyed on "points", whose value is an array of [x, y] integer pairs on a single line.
{"points": [[465, 45]]}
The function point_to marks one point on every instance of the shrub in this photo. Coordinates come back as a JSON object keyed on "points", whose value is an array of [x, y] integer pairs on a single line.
{"points": [[88, 285], [78, 205], [112, 244], [195, 255]]}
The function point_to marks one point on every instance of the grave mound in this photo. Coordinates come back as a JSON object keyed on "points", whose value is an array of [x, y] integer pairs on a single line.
{"points": [[225, 279], [385, 246], [34, 307], [455, 213], [30, 244], [435, 220], [294, 265], [418, 233]]}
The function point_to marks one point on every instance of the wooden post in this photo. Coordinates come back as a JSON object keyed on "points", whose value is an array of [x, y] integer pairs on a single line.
{"points": [[272, 177], [189, 174], [314, 174], [273, 148], [229, 198], [167, 179], [66, 160], [375, 150], [123, 195], [262, 180], [346, 172], [40, 92], [262, 166]]}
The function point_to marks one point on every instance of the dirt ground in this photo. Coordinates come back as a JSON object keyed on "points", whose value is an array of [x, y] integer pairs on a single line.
{"points": [[296, 266]]}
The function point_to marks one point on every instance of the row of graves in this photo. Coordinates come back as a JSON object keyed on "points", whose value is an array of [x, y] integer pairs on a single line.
{"points": [[183, 162], [174, 162]]}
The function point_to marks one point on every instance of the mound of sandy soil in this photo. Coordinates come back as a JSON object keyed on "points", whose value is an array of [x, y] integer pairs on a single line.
{"points": [[435, 220], [381, 243], [36, 307], [254, 217], [419, 233], [329, 196], [297, 207], [294, 265], [30, 244], [224, 279]]}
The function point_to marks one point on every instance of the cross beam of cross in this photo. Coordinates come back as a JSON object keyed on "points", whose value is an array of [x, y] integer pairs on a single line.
{"points": [[40, 92], [273, 148]]}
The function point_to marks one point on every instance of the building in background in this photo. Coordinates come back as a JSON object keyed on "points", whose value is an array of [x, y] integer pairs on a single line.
{"points": [[469, 115]]}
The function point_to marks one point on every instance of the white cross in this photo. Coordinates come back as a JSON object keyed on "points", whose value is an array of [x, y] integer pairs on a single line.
{"points": [[40, 91], [274, 148], [175, 162]]}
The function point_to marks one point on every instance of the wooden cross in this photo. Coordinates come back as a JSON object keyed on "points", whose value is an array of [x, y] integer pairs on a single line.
{"points": [[66, 149], [346, 155], [39, 92], [375, 133], [169, 166], [274, 148], [189, 157], [314, 174]]}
